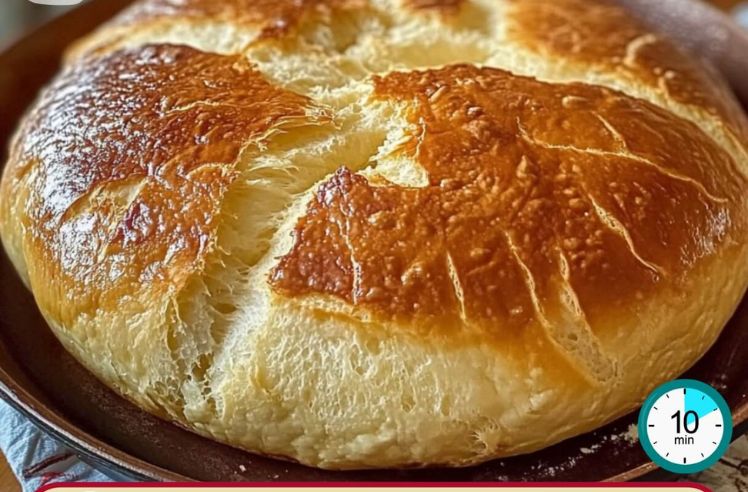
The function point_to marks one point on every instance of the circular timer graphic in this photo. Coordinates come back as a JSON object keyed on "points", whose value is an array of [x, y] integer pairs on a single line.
{"points": [[685, 426]]}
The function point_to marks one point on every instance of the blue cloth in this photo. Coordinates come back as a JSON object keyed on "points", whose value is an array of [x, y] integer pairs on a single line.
{"points": [[37, 459], [741, 14]]}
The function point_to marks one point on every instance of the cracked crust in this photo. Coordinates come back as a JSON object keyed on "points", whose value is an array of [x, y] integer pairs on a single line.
{"points": [[604, 36], [356, 235], [512, 195], [501, 161], [106, 202]]}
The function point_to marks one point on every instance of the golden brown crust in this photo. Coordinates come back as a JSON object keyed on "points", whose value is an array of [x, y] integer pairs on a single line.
{"points": [[274, 18], [445, 6], [603, 34], [124, 163], [530, 185]]}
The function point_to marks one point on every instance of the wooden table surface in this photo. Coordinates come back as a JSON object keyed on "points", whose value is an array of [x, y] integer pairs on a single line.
{"points": [[8, 481], [726, 4]]}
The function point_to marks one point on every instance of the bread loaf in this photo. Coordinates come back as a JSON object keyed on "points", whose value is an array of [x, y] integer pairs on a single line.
{"points": [[381, 233]]}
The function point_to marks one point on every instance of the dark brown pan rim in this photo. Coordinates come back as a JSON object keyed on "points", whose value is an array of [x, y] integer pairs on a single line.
{"points": [[88, 447], [24, 67]]}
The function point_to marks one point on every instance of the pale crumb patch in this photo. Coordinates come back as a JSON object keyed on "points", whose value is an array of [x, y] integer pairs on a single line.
{"points": [[632, 434], [635, 46]]}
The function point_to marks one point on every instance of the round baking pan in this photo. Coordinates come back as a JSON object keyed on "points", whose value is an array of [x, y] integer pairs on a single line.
{"points": [[41, 380]]}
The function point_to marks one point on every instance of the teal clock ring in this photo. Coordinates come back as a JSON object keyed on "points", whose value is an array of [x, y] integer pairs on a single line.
{"points": [[685, 426]]}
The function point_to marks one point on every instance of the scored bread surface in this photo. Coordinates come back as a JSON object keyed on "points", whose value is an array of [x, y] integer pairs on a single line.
{"points": [[381, 233]]}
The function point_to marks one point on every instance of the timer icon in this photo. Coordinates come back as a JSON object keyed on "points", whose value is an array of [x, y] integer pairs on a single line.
{"points": [[685, 426]]}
